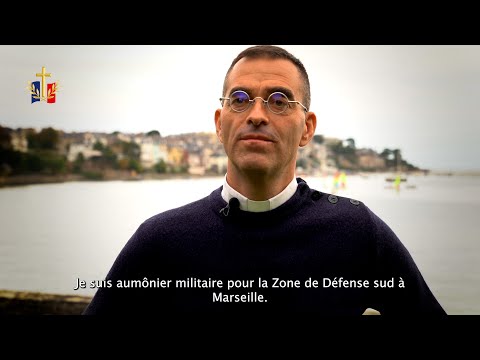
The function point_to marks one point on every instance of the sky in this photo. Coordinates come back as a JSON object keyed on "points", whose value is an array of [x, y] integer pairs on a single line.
{"points": [[421, 99]]}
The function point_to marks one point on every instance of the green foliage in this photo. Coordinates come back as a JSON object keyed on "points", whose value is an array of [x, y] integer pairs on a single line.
{"points": [[31, 136], [78, 163], [339, 149], [179, 169], [350, 143], [31, 163], [93, 175], [47, 161], [47, 139], [5, 139], [153, 133], [301, 163], [21, 163], [314, 160], [160, 167], [135, 165], [131, 150], [98, 146], [392, 157], [10, 161], [393, 160], [319, 139], [35, 161], [109, 157], [345, 155]]}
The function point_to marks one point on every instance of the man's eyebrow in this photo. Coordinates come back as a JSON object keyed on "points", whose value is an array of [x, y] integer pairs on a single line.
{"points": [[269, 90], [242, 88], [281, 89]]}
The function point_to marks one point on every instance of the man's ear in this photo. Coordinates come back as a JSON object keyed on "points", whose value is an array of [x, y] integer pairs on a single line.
{"points": [[309, 128], [218, 125]]}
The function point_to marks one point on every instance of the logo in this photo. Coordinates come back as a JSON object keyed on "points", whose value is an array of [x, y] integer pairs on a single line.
{"points": [[41, 91]]}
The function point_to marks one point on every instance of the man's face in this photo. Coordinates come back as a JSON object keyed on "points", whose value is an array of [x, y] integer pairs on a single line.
{"points": [[258, 141]]}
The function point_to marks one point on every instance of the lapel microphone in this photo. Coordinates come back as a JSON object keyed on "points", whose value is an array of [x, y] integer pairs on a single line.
{"points": [[233, 204]]}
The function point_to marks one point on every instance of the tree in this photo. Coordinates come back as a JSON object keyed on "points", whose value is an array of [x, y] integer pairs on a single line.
{"points": [[154, 133], [160, 167], [109, 157], [131, 150], [135, 165], [392, 157], [78, 163], [5, 139], [53, 163], [350, 143], [319, 139], [386, 154], [31, 135], [46, 139], [98, 146]]}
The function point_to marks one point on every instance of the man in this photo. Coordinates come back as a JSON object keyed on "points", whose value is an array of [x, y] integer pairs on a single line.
{"points": [[264, 240]]}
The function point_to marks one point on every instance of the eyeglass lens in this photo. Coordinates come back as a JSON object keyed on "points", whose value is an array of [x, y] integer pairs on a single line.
{"points": [[276, 102]]}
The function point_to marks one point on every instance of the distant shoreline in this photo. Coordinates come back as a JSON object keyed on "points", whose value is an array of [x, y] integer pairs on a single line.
{"points": [[21, 180], [35, 179]]}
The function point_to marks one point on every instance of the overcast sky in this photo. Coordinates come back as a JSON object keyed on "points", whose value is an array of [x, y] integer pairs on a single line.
{"points": [[424, 100]]}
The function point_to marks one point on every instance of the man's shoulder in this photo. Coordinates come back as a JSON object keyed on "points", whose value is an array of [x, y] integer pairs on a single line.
{"points": [[348, 213], [186, 212], [340, 209], [337, 203]]}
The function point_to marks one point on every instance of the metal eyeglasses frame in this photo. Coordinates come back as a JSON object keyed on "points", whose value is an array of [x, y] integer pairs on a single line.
{"points": [[251, 101]]}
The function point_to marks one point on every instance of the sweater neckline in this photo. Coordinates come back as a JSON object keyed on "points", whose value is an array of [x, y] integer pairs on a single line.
{"points": [[291, 206]]}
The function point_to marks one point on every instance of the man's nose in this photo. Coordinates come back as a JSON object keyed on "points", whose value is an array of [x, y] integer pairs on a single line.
{"points": [[258, 112]]}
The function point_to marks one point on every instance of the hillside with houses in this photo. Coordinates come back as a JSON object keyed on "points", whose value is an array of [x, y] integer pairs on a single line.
{"points": [[50, 154]]}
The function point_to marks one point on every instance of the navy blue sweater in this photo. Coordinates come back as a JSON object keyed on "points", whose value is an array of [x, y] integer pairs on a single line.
{"points": [[315, 253]]}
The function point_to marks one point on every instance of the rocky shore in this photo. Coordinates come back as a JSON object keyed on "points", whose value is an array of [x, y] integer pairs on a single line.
{"points": [[34, 303]]}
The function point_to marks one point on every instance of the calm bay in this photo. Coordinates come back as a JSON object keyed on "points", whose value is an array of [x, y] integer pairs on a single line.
{"points": [[53, 234]]}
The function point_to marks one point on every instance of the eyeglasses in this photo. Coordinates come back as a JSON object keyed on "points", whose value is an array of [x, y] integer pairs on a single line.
{"points": [[277, 102]]}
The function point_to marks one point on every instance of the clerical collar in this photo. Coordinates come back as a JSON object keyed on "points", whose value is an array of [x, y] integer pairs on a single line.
{"points": [[259, 206]]}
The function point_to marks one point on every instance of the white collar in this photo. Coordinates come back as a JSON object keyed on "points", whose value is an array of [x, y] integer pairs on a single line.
{"points": [[259, 206]]}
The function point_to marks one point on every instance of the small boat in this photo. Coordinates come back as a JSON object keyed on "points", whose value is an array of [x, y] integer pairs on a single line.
{"points": [[392, 179]]}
